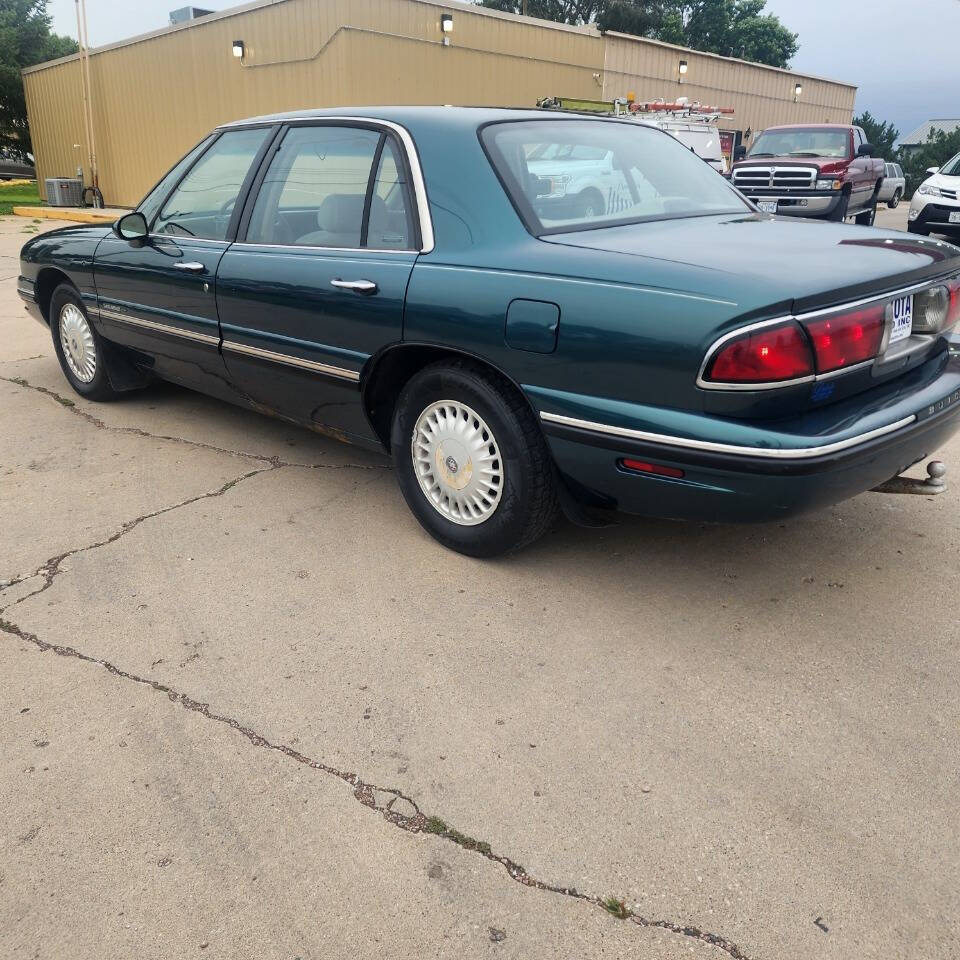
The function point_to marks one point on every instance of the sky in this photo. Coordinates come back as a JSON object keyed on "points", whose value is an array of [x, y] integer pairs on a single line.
{"points": [[904, 57]]}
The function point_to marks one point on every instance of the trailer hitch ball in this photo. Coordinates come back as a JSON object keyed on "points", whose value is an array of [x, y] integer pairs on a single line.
{"points": [[934, 483], [935, 473]]}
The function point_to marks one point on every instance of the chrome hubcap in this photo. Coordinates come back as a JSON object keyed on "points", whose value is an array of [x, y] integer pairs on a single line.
{"points": [[76, 338], [457, 462]]}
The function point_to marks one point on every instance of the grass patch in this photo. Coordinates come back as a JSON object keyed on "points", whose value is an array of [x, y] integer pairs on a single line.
{"points": [[434, 825], [17, 195], [616, 908]]}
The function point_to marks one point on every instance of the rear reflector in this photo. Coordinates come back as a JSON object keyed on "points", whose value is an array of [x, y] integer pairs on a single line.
{"points": [[767, 355], [844, 338], [642, 467], [953, 311]]}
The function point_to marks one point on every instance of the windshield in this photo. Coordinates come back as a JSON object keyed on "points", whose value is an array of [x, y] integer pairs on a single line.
{"points": [[801, 142], [952, 167], [578, 174]]}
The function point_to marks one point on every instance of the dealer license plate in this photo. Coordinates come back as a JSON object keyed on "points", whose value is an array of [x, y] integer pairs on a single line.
{"points": [[901, 310], [954, 216], [767, 206]]}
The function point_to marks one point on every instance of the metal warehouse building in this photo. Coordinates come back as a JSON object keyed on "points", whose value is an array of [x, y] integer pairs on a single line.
{"points": [[154, 96]]}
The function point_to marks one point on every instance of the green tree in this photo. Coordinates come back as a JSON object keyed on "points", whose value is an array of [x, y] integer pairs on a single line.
{"points": [[25, 39], [938, 149], [732, 28], [881, 135]]}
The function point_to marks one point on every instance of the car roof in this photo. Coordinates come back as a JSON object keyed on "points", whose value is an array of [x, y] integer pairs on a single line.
{"points": [[465, 116], [810, 126]]}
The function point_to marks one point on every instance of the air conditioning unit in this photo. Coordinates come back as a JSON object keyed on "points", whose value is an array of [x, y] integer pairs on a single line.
{"points": [[63, 192]]}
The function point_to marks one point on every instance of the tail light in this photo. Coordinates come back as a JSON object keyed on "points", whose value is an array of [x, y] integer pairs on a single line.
{"points": [[846, 337], [764, 355], [953, 310]]}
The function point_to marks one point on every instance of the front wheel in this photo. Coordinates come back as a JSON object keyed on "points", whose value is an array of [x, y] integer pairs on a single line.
{"points": [[472, 463], [868, 216], [894, 201], [78, 346], [590, 204], [839, 212]]}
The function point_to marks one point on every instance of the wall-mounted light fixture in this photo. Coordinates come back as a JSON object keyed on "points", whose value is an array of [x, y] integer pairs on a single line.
{"points": [[446, 27], [238, 49], [797, 90], [682, 69]]}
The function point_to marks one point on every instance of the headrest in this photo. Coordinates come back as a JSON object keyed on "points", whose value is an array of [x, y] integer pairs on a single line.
{"points": [[341, 212]]}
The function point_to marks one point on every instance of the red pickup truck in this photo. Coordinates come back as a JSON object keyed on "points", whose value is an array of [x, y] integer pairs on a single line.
{"points": [[822, 170]]}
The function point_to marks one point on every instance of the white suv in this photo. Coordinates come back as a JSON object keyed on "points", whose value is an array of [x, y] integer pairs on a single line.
{"points": [[935, 206]]}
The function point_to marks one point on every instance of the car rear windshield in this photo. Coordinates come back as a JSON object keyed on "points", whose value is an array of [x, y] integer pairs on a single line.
{"points": [[579, 174], [800, 142]]}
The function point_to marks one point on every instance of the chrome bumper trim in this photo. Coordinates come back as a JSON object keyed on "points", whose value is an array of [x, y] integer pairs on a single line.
{"points": [[797, 453], [325, 368]]}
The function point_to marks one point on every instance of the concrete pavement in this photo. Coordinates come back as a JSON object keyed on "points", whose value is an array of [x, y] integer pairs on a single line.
{"points": [[241, 688]]}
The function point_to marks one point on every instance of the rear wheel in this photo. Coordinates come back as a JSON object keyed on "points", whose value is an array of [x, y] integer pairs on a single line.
{"points": [[78, 346], [472, 463], [894, 201]]}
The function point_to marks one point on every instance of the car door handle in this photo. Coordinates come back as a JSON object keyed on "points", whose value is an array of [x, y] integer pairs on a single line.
{"points": [[190, 266], [367, 287]]}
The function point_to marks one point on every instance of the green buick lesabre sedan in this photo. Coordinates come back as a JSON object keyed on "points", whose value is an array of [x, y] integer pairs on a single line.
{"points": [[530, 312]]}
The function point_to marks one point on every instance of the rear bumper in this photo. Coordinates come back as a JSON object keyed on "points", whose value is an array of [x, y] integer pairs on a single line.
{"points": [[732, 483]]}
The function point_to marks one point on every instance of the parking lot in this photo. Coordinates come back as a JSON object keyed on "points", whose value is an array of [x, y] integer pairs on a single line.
{"points": [[250, 709]]}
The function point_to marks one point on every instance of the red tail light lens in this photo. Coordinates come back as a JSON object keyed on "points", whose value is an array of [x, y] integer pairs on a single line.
{"points": [[766, 355], [842, 339], [953, 311]]}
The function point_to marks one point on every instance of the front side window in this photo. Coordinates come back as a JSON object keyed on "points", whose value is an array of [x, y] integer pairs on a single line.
{"points": [[315, 193], [150, 204], [802, 142], [577, 174], [203, 203]]}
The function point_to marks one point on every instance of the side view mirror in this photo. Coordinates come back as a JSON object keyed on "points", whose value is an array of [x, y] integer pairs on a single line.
{"points": [[933, 169], [866, 150], [739, 152], [132, 227]]}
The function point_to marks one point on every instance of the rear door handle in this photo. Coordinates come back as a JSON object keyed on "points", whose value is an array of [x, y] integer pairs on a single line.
{"points": [[367, 287], [191, 266]]}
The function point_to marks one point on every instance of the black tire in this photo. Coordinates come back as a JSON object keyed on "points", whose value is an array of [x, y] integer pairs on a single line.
{"points": [[839, 212], [527, 504], [868, 216], [894, 201], [98, 386], [590, 203]]}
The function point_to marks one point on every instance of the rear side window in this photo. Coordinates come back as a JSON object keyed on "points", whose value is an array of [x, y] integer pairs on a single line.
{"points": [[203, 203], [333, 186]]}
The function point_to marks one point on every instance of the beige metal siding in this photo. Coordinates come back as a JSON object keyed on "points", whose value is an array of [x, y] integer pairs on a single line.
{"points": [[155, 96], [760, 96]]}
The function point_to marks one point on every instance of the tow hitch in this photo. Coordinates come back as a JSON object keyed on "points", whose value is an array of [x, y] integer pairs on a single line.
{"points": [[934, 482]]}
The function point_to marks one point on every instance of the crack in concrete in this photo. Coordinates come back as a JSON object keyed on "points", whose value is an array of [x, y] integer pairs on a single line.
{"points": [[70, 405], [51, 568], [381, 799]]}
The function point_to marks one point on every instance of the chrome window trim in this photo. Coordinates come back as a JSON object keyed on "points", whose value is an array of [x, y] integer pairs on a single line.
{"points": [[315, 366], [427, 241], [809, 315], [156, 327], [788, 453], [293, 247]]}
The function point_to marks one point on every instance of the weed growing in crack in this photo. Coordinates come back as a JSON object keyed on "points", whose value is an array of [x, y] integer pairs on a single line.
{"points": [[617, 908], [434, 825]]}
